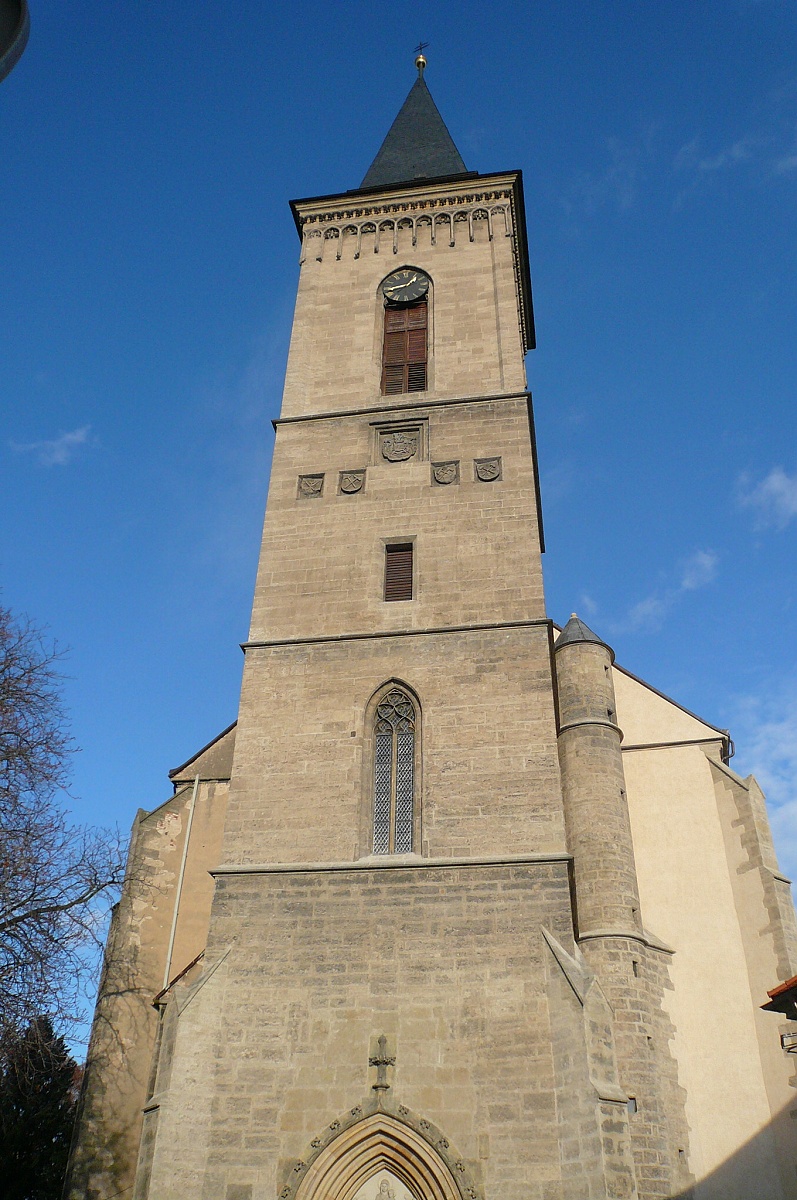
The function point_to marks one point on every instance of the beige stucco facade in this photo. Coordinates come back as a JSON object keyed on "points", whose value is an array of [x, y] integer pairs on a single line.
{"points": [[552, 990], [710, 887]]}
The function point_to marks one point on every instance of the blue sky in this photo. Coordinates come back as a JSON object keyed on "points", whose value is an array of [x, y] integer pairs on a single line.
{"points": [[149, 267]]}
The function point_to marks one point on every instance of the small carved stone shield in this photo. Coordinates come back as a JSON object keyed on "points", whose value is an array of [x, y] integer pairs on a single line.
{"points": [[310, 485], [401, 445], [445, 472], [488, 469], [351, 481]]}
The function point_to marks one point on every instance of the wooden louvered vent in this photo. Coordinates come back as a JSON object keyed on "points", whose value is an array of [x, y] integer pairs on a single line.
{"points": [[404, 354], [398, 572]]}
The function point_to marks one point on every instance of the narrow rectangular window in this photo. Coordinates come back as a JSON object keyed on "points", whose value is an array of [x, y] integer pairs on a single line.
{"points": [[398, 572], [404, 354]]}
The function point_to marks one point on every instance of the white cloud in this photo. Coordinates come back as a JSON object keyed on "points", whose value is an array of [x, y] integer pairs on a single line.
{"points": [[688, 156], [786, 161], [766, 151], [650, 612], [59, 451], [697, 571], [618, 181], [774, 499], [766, 734], [557, 483], [588, 605], [783, 821], [739, 152], [786, 164]]}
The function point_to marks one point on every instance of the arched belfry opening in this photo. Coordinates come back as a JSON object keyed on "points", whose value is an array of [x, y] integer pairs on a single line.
{"points": [[405, 345], [378, 1158]]}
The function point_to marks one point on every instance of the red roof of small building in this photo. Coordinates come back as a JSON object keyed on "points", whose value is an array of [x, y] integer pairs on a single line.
{"points": [[783, 999]]}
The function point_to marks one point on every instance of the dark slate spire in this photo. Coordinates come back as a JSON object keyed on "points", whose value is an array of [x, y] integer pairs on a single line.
{"points": [[576, 631], [418, 145]]}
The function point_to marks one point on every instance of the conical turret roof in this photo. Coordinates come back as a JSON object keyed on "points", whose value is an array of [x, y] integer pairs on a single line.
{"points": [[576, 631], [418, 145]]}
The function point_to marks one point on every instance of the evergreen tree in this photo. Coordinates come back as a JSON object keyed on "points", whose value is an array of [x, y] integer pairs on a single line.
{"points": [[38, 1092]]}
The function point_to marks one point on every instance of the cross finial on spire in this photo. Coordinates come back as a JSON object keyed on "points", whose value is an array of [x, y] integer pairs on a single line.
{"points": [[420, 61]]}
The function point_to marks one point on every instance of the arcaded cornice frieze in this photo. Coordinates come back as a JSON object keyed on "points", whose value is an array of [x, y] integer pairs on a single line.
{"points": [[346, 228], [446, 214]]}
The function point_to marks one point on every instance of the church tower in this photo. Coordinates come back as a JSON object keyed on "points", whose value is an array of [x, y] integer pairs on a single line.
{"points": [[426, 973]]}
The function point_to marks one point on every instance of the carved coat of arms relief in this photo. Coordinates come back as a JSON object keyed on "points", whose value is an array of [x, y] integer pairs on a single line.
{"points": [[488, 469], [400, 445], [311, 485], [352, 481], [445, 473]]}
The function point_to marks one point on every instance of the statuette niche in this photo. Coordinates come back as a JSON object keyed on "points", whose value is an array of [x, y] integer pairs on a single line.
{"points": [[384, 1186]]}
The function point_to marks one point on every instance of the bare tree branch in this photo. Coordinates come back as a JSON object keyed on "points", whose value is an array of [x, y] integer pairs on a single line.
{"points": [[56, 879]]}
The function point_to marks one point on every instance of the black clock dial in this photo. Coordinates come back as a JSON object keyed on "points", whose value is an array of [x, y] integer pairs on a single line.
{"points": [[404, 286]]}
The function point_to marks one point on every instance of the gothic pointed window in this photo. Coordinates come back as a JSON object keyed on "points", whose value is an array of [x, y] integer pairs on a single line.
{"points": [[394, 773]]}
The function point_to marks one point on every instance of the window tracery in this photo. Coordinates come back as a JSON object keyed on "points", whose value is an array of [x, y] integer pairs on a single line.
{"points": [[394, 774]]}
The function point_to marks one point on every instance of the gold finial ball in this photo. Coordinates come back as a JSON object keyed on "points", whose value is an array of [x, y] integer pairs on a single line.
{"points": [[420, 63]]}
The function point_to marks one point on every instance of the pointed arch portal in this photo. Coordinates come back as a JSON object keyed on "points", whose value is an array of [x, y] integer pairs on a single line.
{"points": [[376, 1151]]}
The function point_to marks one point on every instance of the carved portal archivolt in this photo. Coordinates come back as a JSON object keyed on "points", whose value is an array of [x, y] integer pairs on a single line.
{"points": [[380, 1155]]}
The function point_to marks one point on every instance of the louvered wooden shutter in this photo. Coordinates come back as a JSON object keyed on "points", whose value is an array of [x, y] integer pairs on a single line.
{"points": [[398, 572], [404, 354]]}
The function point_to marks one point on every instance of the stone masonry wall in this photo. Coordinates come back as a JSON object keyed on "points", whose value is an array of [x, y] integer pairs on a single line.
{"points": [[488, 778], [634, 978], [124, 1031], [476, 544], [448, 963], [335, 358]]}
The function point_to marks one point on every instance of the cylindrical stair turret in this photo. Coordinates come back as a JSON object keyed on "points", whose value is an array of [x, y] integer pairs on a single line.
{"points": [[593, 784], [632, 972]]}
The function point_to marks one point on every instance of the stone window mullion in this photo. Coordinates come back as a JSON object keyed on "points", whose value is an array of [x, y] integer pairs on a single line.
{"points": [[394, 775]]}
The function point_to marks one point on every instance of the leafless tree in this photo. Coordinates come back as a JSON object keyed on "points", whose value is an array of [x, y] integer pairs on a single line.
{"points": [[55, 877]]}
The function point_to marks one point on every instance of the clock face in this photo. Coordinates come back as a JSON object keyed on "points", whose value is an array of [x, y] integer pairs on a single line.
{"points": [[404, 286]]}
